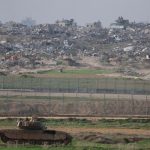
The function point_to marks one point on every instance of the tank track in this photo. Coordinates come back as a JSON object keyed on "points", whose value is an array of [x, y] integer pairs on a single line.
{"points": [[60, 142]]}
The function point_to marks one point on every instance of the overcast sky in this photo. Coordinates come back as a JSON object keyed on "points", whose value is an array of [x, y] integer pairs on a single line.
{"points": [[83, 11]]}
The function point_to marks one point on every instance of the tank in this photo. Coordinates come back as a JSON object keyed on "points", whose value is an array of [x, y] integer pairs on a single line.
{"points": [[34, 132]]}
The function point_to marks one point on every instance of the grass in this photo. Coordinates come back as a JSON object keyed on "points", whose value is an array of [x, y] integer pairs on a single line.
{"points": [[125, 123], [84, 145], [144, 145], [84, 123], [85, 85], [7, 122], [65, 99], [79, 72], [58, 148], [36, 98], [111, 123]]}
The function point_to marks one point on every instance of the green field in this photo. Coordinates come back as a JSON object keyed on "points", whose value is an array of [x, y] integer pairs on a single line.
{"points": [[102, 123], [81, 145], [85, 85]]}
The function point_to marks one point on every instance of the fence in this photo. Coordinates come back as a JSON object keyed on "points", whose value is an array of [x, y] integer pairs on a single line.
{"points": [[74, 96]]}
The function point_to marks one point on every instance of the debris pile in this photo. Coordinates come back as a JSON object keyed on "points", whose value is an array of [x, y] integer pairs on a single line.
{"points": [[123, 43]]}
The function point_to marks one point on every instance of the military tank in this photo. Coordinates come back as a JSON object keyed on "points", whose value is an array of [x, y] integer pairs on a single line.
{"points": [[34, 132]]}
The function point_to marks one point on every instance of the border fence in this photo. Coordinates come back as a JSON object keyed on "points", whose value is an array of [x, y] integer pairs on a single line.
{"points": [[22, 96]]}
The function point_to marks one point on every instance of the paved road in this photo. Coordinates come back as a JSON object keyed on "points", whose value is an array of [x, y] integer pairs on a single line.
{"points": [[80, 95]]}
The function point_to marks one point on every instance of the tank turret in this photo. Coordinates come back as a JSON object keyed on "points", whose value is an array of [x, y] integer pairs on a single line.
{"points": [[30, 124]]}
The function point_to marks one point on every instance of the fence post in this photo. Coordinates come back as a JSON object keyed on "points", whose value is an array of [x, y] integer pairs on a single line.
{"points": [[115, 86], [78, 85], [116, 92], [87, 89], [2, 82], [146, 106], [97, 86], [125, 87], [63, 103], [68, 88], [21, 86], [144, 87], [105, 96], [49, 98], [133, 106]]}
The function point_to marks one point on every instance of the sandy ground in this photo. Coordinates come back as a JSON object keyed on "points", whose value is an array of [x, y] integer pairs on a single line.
{"points": [[72, 130]]}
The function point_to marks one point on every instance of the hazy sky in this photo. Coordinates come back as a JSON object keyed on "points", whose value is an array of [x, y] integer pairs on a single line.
{"points": [[83, 11]]}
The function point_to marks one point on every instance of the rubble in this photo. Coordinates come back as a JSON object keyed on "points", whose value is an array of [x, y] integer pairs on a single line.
{"points": [[33, 46]]}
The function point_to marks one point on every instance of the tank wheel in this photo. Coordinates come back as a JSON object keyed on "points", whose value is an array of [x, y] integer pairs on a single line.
{"points": [[58, 142], [11, 142], [20, 142], [46, 143], [4, 138]]}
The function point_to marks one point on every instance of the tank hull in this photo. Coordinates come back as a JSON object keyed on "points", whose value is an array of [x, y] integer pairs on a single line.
{"points": [[39, 137]]}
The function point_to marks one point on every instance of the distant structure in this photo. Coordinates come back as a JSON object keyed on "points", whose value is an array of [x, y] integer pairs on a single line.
{"points": [[28, 21], [66, 23], [97, 24], [120, 23]]}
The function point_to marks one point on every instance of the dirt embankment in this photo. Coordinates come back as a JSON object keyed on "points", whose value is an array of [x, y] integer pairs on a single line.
{"points": [[107, 135]]}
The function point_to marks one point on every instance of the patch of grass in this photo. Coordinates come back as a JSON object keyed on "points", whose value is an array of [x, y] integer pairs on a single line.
{"points": [[73, 122], [71, 84], [132, 124], [19, 98], [84, 145], [21, 147], [87, 145], [144, 145], [58, 148], [80, 71], [75, 145], [8, 122], [125, 123]]}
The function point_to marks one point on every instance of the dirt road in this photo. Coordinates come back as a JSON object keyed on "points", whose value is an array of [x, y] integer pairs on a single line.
{"points": [[73, 130], [99, 96]]}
